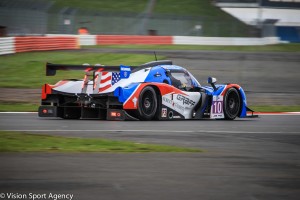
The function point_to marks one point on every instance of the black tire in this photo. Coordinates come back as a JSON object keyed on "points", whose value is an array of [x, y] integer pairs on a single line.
{"points": [[147, 106], [232, 104]]}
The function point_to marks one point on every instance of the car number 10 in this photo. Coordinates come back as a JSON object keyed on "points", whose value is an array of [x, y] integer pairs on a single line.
{"points": [[217, 107]]}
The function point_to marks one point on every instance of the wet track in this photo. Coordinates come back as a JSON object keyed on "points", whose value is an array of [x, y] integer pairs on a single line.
{"points": [[243, 159]]}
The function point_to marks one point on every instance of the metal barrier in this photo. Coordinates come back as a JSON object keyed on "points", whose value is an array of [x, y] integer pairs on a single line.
{"points": [[12, 45], [87, 40], [234, 41], [133, 39], [23, 44], [52, 42], [7, 45]]}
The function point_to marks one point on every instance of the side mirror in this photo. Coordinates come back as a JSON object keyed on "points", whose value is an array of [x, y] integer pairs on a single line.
{"points": [[212, 81]]}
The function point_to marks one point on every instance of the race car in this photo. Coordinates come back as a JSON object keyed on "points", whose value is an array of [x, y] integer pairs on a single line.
{"points": [[158, 90]]}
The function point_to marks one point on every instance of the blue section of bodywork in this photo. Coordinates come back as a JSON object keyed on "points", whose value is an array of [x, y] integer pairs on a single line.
{"points": [[124, 93], [210, 90], [157, 75], [124, 71], [244, 103]]}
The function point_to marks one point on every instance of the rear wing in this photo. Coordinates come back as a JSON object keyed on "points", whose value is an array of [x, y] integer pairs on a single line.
{"points": [[52, 68]]}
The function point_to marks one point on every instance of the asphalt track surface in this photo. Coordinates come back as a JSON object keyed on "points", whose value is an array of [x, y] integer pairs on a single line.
{"points": [[242, 159]]}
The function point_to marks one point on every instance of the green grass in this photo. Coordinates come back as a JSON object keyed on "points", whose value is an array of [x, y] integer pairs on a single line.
{"points": [[293, 47], [27, 70], [24, 142], [18, 107], [293, 108]]}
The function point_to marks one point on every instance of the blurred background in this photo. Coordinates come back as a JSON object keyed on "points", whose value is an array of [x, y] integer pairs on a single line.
{"points": [[214, 18]]}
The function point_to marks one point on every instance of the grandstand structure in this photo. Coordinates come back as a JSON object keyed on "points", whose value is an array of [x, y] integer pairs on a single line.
{"points": [[273, 17]]}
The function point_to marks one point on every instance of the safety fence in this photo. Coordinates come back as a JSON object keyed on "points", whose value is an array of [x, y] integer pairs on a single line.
{"points": [[59, 42]]}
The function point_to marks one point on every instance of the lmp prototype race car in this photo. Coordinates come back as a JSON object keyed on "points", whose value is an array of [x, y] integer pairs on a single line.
{"points": [[157, 90]]}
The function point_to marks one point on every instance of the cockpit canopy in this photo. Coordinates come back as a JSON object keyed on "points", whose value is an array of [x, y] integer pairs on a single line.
{"points": [[181, 78]]}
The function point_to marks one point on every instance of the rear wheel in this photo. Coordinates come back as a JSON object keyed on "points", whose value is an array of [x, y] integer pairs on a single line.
{"points": [[232, 104], [147, 104]]}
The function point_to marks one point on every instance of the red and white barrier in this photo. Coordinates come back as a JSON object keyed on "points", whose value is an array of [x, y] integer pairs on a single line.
{"points": [[231, 41], [87, 40], [133, 39], [59, 42], [12, 45], [23, 44], [7, 45]]}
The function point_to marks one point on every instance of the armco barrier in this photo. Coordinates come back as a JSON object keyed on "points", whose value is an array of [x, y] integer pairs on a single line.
{"points": [[23, 44], [87, 40], [12, 45], [83, 39], [7, 45], [133, 39], [234, 41]]}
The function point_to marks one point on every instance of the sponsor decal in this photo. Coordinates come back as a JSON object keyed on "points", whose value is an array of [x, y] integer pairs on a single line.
{"points": [[134, 100], [176, 117], [185, 100], [124, 71], [163, 112], [170, 103]]}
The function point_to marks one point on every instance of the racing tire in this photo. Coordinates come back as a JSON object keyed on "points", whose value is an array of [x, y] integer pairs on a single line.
{"points": [[232, 104], [148, 104]]}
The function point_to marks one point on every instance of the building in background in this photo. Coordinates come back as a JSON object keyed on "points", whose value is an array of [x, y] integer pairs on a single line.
{"points": [[272, 17]]}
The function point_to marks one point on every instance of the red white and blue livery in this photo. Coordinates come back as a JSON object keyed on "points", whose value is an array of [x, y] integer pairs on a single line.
{"points": [[156, 90]]}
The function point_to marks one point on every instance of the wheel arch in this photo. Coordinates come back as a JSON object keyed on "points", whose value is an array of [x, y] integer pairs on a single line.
{"points": [[242, 95], [159, 101]]}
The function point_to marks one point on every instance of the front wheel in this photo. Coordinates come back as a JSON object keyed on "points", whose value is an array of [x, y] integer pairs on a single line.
{"points": [[232, 104], [147, 103]]}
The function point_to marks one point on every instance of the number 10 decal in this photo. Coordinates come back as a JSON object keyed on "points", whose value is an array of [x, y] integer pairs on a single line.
{"points": [[216, 110]]}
